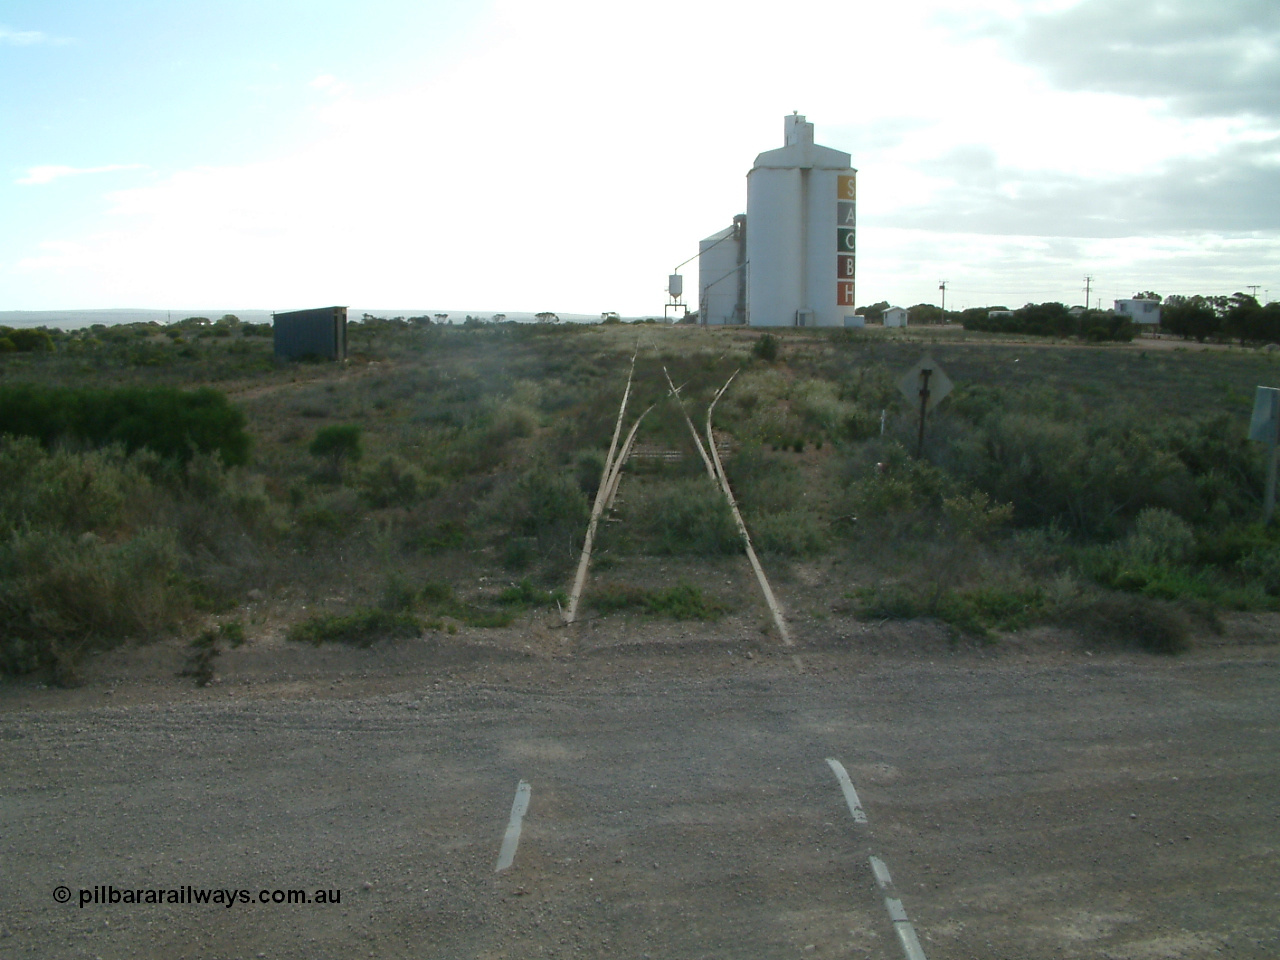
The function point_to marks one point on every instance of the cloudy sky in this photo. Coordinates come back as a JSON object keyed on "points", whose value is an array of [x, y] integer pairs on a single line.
{"points": [[566, 154]]}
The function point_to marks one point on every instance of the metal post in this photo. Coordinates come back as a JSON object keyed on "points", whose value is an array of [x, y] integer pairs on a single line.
{"points": [[924, 406], [1273, 451]]}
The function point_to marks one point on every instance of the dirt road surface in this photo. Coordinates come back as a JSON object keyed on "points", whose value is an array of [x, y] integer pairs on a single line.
{"points": [[681, 805]]}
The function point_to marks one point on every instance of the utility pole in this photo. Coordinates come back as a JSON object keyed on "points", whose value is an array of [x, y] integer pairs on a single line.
{"points": [[1088, 282], [1254, 288], [942, 285]]}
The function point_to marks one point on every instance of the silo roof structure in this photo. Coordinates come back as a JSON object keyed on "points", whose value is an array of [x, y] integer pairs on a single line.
{"points": [[801, 151]]}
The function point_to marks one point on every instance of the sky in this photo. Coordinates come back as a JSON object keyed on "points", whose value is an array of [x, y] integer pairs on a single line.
{"points": [[565, 155]]}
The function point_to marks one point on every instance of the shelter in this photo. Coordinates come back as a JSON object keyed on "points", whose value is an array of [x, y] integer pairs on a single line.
{"points": [[1140, 310], [320, 333], [895, 317]]}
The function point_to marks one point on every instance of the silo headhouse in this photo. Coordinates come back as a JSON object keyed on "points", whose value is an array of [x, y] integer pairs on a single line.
{"points": [[791, 260]]}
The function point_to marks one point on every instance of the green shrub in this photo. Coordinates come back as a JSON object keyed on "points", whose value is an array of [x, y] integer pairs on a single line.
{"points": [[976, 610], [29, 341], [589, 470], [791, 533], [439, 599], [546, 506], [360, 628], [525, 594], [393, 482], [337, 444], [1152, 625], [511, 421], [519, 553], [61, 598], [199, 664], [1090, 476], [687, 517], [766, 348], [173, 423], [681, 602], [448, 535], [1159, 537]]}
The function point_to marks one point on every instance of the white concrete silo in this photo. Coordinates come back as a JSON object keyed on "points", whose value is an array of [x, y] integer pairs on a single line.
{"points": [[801, 235]]}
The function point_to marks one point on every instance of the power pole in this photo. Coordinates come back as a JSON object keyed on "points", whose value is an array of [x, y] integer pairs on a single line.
{"points": [[1254, 287], [942, 285], [1088, 281]]}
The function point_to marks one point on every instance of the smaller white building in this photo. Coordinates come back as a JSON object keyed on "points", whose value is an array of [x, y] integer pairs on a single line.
{"points": [[1140, 311], [895, 317]]}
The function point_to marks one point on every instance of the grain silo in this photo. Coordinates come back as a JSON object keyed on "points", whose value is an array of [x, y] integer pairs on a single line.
{"points": [[801, 233]]}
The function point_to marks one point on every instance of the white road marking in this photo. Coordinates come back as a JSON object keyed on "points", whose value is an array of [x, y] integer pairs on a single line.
{"points": [[512, 839], [910, 942], [850, 794], [897, 913], [882, 873]]}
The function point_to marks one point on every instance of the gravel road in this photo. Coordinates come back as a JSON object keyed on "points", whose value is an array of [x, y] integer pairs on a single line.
{"points": [[681, 805]]}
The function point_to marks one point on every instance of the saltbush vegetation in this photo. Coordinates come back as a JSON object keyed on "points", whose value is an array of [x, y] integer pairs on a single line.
{"points": [[1110, 489]]}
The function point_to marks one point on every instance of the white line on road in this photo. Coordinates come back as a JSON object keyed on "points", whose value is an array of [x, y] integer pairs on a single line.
{"points": [[850, 794], [897, 913], [882, 873], [512, 839]]}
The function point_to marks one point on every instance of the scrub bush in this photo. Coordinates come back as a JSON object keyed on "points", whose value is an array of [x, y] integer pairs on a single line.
{"points": [[394, 482], [360, 628], [686, 517], [1152, 625], [546, 506], [681, 602], [790, 533], [337, 445], [173, 423]]}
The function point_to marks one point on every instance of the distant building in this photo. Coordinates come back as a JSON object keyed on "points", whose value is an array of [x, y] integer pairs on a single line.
{"points": [[319, 333], [1140, 311], [895, 317], [999, 313]]}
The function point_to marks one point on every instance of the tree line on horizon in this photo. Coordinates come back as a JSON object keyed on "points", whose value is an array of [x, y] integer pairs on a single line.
{"points": [[1239, 317]]}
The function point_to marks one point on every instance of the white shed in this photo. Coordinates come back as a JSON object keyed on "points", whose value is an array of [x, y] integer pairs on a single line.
{"points": [[1140, 311], [895, 317]]}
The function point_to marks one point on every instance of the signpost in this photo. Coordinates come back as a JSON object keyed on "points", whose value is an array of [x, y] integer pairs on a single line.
{"points": [[1265, 428], [926, 384]]}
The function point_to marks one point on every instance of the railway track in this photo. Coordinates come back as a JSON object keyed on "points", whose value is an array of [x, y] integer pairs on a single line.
{"points": [[710, 452]]}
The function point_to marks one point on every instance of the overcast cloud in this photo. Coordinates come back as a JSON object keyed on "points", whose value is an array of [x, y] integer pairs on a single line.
{"points": [[567, 154], [1235, 191], [1206, 57]]}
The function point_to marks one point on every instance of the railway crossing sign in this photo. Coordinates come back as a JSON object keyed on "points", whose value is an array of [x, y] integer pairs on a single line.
{"points": [[925, 382], [1266, 413]]}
